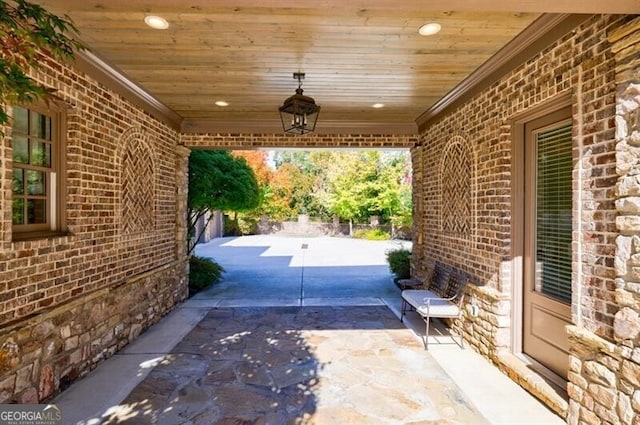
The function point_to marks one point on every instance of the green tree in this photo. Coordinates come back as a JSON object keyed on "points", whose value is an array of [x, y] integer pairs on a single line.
{"points": [[301, 159], [394, 191], [27, 32], [351, 185], [219, 181], [361, 184]]}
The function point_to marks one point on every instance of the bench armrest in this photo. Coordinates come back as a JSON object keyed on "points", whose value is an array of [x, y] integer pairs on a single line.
{"points": [[427, 300]]}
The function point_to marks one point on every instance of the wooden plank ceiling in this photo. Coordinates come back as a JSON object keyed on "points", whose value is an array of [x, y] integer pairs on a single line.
{"points": [[354, 53]]}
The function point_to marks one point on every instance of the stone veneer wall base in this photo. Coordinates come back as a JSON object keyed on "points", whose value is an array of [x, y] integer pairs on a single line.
{"points": [[519, 371], [489, 334], [44, 354]]}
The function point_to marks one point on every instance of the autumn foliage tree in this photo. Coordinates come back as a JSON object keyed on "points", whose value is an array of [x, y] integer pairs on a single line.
{"points": [[297, 180], [352, 185], [257, 161], [246, 222]]}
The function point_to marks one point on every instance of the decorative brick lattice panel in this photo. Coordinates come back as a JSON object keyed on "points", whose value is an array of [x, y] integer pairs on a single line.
{"points": [[456, 180], [138, 187]]}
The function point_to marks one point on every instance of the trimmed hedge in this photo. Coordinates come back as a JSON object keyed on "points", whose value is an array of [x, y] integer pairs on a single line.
{"points": [[372, 234]]}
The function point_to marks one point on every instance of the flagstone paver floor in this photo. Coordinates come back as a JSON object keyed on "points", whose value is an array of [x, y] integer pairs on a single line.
{"points": [[301, 330], [297, 365]]}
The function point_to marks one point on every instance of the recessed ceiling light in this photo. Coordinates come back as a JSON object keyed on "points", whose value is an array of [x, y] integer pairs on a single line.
{"points": [[378, 105], [430, 29], [221, 103], [156, 22]]}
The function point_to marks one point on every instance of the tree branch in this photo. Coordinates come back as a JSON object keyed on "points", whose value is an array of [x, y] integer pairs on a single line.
{"points": [[193, 221]]}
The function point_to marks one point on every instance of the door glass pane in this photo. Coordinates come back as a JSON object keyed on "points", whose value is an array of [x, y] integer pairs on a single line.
{"points": [[554, 213], [18, 211], [36, 211], [20, 120], [20, 149], [41, 154], [36, 182], [17, 185]]}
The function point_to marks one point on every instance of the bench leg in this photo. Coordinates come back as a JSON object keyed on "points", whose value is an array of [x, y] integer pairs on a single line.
{"points": [[403, 308], [426, 333]]}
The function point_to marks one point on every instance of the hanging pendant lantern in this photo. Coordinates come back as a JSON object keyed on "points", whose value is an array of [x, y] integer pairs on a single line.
{"points": [[299, 113]]}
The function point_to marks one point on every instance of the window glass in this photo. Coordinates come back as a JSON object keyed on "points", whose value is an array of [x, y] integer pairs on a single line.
{"points": [[36, 208], [40, 126], [20, 148], [36, 182], [17, 185], [554, 213], [18, 211], [20, 120], [36, 211], [41, 154]]}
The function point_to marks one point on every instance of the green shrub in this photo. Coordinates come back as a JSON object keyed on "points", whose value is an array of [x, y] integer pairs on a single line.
{"points": [[203, 272], [371, 234], [400, 262], [248, 224]]}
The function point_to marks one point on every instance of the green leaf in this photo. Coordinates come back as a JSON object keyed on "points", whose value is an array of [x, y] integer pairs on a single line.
{"points": [[27, 31]]}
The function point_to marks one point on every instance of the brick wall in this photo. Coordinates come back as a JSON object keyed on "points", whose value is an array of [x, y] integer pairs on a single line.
{"points": [[583, 65], [604, 374], [313, 141], [80, 286]]}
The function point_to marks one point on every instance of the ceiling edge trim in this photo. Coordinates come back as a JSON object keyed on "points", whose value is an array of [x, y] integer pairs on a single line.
{"points": [[116, 80], [322, 128], [533, 39]]}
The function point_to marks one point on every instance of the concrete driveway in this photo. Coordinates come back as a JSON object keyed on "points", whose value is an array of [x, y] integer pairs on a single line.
{"points": [[289, 271]]}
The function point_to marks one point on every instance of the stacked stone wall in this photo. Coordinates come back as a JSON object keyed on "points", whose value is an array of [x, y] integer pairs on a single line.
{"points": [[44, 354], [604, 381], [71, 300], [488, 331]]}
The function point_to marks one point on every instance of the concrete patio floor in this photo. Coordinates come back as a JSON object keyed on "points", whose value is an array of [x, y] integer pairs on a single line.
{"points": [[300, 331]]}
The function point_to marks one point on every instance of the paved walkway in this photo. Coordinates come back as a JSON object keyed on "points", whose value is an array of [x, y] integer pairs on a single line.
{"points": [[288, 365], [327, 349]]}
